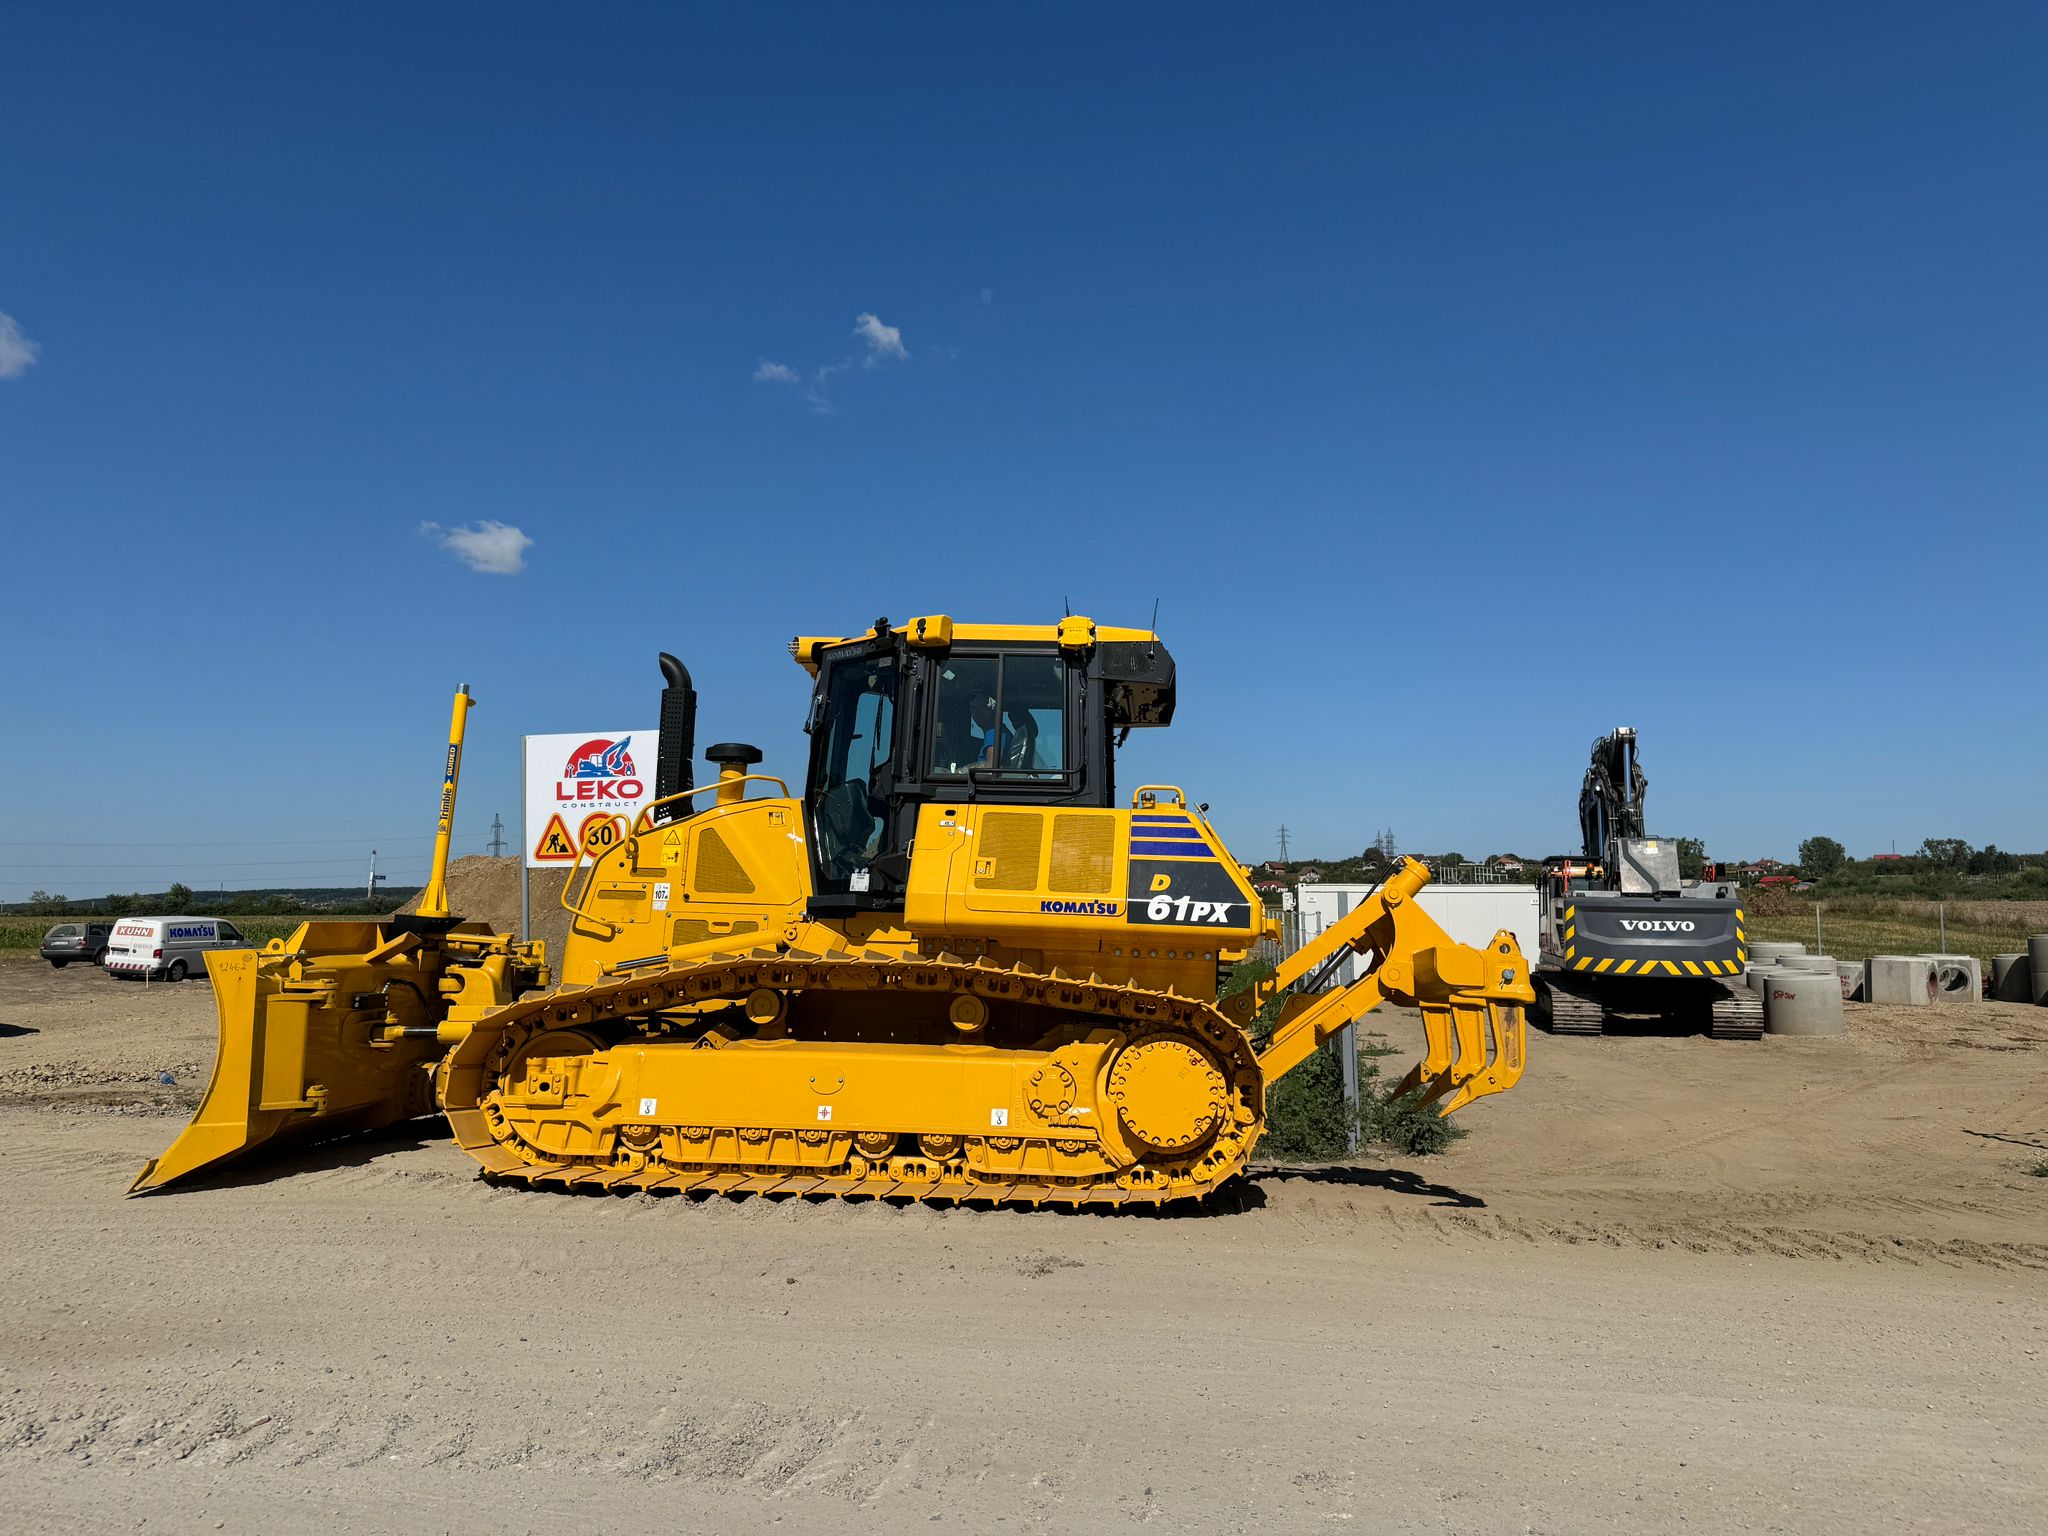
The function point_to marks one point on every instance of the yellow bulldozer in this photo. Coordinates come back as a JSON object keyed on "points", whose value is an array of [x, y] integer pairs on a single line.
{"points": [[955, 968]]}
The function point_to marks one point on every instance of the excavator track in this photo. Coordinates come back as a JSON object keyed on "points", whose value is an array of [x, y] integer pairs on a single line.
{"points": [[1738, 1014], [1129, 1096], [1569, 1013], [1731, 1011]]}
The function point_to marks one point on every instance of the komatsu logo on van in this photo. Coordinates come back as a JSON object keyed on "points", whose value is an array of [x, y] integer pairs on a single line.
{"points": [[1081, 908], [1657, 924]]}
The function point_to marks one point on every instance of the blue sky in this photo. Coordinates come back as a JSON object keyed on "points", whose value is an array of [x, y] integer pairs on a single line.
{"points": [[1460, 381]]}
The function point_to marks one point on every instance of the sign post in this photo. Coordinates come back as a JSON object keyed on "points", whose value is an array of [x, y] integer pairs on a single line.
{"points": [[525, 910]]}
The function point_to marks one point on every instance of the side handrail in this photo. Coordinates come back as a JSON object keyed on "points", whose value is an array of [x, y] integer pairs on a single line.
{"points": [[642, 824], [1148, 794]]}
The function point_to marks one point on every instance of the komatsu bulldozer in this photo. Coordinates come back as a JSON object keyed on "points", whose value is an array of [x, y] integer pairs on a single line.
{"points": [[955, 967]]}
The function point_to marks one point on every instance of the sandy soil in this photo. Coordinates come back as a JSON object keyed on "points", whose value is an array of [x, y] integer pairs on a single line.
{"points": [[1797, 1286]]}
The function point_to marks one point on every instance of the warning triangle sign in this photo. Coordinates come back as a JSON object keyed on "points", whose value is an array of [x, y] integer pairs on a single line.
{"points": [[554, 843]]}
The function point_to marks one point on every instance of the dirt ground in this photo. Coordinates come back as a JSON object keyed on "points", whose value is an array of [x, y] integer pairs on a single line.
{"points": [[1792, 1286]]}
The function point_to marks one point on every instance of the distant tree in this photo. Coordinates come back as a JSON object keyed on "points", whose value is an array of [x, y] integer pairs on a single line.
{"points": [[1452, 858], [178, 897], [113, 905], [43, 904], [1692, 858], [1989, 860], [1820, 857], [1946, 852]]}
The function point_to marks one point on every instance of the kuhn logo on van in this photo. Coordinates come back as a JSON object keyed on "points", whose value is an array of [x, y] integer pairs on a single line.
{"points": [[600, 769], [134, 931], [1657, 924]]}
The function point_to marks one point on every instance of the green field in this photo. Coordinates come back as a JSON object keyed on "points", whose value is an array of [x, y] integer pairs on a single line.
{"points": [[1857, 927]]}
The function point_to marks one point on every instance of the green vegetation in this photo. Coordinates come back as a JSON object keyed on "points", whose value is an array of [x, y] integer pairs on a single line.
{"points": [[1305, 1113], [1855, 927], [290, 901], [2040, 1170]]}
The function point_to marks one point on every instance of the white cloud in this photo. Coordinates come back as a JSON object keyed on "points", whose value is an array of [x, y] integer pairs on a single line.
{"points": [[988, 296], [496, 549], [17, 352], [766, 372], [884, 341]]}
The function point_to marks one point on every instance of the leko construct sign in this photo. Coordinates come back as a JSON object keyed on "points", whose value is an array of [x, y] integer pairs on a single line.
{"points": [[583, 789]]}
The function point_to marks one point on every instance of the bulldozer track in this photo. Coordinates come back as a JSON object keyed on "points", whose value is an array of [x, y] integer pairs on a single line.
{"points": [[1047, 1167]]}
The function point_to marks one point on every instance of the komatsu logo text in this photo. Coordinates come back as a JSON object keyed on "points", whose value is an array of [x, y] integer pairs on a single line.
{"points": [[1657, 924], [1081, 908]]}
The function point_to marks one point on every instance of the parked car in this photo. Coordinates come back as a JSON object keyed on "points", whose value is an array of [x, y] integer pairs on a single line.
{"points": [[76, 941], [168, 947]]}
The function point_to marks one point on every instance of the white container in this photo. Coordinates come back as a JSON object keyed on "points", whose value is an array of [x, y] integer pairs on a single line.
{"points": [[1471, 914]]}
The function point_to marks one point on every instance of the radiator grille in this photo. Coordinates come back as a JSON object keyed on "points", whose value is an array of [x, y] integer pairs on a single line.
{"points": [[718, 872], [1083, 850], [694, 930], [1007, 859]]}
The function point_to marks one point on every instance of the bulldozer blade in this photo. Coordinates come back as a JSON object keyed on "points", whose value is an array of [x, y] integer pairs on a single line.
{"points": [[298, 1060]]}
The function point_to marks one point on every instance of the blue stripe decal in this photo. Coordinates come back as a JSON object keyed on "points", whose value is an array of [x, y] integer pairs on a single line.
{"points": [[1172, 850]]}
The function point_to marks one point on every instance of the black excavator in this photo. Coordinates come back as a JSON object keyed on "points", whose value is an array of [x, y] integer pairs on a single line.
{"points": [[1622, 938]]}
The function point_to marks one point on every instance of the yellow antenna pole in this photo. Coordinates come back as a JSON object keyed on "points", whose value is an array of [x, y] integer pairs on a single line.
{"points": [[434, 903]]}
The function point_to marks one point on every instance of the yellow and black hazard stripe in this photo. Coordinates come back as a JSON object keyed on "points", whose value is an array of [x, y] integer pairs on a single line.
{"points": [[1613, 967]]}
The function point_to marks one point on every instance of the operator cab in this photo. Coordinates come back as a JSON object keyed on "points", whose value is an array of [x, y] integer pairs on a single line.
{"points": [[983, 715]]}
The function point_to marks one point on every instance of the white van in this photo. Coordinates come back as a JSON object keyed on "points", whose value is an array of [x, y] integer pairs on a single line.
{"points": [[169, 947]]}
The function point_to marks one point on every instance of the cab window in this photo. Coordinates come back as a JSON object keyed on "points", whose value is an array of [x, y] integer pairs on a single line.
{"points": [[1006, 714]]}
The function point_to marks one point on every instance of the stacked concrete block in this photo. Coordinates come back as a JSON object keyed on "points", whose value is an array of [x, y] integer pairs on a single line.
{"points": [[2037, 968], [1900, 980], [1957, 978], [2012, 979], [1803, 1003], [1850, 974]]}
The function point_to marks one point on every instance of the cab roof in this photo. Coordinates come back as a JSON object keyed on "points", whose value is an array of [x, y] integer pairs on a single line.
{"points": [[938, 631]]}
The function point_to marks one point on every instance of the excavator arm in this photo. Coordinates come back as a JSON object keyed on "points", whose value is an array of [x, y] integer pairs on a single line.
{"points": [[1471, 1000]]}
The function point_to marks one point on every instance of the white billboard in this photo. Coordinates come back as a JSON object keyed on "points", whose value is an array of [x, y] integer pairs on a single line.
{"points": [[583, 789]]}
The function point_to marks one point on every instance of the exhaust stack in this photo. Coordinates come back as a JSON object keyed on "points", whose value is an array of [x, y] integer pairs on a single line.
{"points": [[672, 772]]}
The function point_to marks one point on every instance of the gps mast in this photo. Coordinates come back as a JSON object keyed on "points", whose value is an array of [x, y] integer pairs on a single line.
{"points": [[1621, 937]]}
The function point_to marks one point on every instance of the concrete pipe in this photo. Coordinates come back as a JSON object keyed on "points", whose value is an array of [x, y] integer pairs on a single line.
{"points": [[2037, 969], [1759, 977], [1850, 974], [1772, 949], [1820, 965], [1803, 1003], [2010, 979]]}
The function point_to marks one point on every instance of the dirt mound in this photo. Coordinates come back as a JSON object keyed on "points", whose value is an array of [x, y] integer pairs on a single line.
{"points": [[487, 890]]}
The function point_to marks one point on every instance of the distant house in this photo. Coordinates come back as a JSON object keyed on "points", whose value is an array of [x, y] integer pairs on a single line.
{"points": [[1886, 858], [1507, 862], [1310, 876]]}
